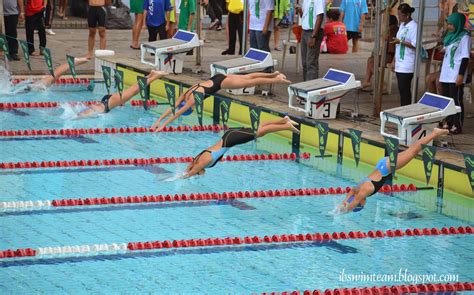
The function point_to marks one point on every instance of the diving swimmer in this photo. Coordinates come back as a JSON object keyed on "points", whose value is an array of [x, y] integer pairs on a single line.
{"points": [[357, 196], [216, 83], [209, 157]]}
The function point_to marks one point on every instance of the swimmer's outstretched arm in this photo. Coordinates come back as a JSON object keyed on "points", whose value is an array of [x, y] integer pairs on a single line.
{"points": [[61, 70], [194, 168], [168, 112], [189, 104]]}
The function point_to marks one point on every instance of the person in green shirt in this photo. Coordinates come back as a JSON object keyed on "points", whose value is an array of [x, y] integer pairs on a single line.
{"points": [[186, 15]]}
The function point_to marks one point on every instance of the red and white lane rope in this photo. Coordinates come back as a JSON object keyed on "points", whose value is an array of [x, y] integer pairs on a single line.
{"points": [[153, 199], [144, 161], [104, 249], [121, 130], [55, 104], [386, 290]]}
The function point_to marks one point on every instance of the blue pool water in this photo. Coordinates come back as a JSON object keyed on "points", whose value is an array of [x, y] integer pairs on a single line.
{"points": [[237, 269]]}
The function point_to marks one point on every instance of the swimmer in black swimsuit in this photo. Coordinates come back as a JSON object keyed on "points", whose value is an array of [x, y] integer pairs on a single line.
{"points": [[111, 101], [216, 83], [356, 198], [209, 157]]}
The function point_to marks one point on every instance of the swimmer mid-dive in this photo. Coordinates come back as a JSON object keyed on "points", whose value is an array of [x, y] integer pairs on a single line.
{"points": [[356, 198], [46, 81], [110, 101], [216, 83], [209, 157]]}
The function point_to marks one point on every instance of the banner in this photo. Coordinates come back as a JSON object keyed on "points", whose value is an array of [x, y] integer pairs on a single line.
{"points": [[26, 53], [72, 66], [4, 46], [428, 156], [171, 93], [254, 118], [144, 91], [323, 130], [469, 160], [225, 108], [107, 73], [391, 146], [48, 59], [199, 102], [118, 77], [356, 138]]}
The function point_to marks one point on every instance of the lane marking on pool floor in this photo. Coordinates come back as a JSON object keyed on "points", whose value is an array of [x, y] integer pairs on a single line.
{"points": [[382, 290], [131, 247], [56, 104], [111, 130], [154, 199], [145, 161]]}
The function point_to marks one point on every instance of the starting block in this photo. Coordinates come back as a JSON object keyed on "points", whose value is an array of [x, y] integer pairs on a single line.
{"points": [[321, 97], [169, 53], [418, 120], [253, 61]]}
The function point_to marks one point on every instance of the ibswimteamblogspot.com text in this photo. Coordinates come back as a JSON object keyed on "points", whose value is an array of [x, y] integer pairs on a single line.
{"points": [[403, 276]]}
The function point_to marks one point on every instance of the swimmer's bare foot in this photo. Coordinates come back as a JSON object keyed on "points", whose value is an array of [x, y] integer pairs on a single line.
{"points": [[157, 74], [81, 60], [440, 132], [292, 128], [89, 56], [291, 121]]}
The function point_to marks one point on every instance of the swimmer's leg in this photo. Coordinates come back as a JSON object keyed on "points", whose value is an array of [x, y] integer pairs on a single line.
{"points": [[275, 127], [61, 70], [237, 82], [257, 75], [407, 155]]}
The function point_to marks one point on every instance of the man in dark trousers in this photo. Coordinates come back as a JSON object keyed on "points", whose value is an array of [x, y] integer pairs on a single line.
{"points": [[13, 11]]}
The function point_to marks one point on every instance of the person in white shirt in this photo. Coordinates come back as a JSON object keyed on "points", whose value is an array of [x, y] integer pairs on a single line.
{"points": [[261, 23], [457, 45], [312, 13], [405, 52]]}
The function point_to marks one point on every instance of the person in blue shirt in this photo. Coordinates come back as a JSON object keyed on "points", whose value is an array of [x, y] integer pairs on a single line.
{"points": [[157, 18], [353, 14]]}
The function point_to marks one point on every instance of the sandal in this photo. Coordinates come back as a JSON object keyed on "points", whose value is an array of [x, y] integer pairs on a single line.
{"points": [[135, 48]]}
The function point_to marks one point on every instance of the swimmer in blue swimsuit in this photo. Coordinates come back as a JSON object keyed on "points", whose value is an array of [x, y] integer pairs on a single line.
{"points": [[216, 83], [357, 196], [209, 157], [110, 101]]}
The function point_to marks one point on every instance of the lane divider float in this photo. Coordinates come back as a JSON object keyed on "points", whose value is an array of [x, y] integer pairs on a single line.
{"points": [[145, 161], [55, 104], [382, 290], [151, 199], [130, 247], [121, 130]]}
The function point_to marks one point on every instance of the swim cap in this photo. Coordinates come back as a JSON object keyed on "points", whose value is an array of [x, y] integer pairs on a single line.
{"points": [[188, 111], [356, 208]]}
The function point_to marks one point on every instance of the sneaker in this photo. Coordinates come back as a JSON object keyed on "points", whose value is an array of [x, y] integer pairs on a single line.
{"points": [[213, 24], [50, 32], [219, 28]]}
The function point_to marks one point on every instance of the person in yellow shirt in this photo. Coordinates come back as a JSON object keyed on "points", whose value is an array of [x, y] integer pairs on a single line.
{"points": [[235, 22], [172, 20]]}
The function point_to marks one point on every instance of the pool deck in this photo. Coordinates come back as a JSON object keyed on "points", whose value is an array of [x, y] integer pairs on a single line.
{"points": [[215, 43]]}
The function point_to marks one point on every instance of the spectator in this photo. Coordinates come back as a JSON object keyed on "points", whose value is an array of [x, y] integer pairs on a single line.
{"points": [[235, 22], [281, 9], [261, 23], [214, 9], [48, 17], [34, 20], [187, 10], [392, 33], [405, 42], [172, 20], [96, 18], [13, 11], [457, 44], [62, 9], [157, 18], [335, 32], [353, 15], [311, 20], [137, 7]]}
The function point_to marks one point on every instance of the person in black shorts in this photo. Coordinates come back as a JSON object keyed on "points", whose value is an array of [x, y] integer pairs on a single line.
{"points": [[209, 157], [96, 18]]}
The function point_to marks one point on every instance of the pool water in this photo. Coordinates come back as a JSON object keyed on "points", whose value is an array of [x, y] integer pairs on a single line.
{"points": [[232, 269]]}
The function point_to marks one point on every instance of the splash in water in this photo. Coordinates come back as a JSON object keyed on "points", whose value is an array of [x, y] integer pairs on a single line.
{"points": [[72, 111], [5, 84]]}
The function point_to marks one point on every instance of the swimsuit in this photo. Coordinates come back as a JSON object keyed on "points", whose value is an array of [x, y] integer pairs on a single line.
{"points": [[217, 80], [105, 102], [230, 138]]}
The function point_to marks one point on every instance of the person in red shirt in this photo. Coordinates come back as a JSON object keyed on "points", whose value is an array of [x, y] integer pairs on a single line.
{"points": [[335, 32], [34, 20]]}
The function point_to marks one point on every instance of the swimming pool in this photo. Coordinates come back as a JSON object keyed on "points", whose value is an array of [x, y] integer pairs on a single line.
{"points": [[243, 268]]}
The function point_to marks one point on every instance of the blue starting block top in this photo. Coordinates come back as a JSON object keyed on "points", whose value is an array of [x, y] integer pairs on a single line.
{"points": [[337, 76], [256, 55], [434, 101], [183, 36]]}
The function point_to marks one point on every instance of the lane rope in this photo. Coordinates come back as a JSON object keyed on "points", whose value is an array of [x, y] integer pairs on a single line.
{"points": [[121, 130], [60, 81], [153, 199], [55, 104], [144, 161], [130, 247]]}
